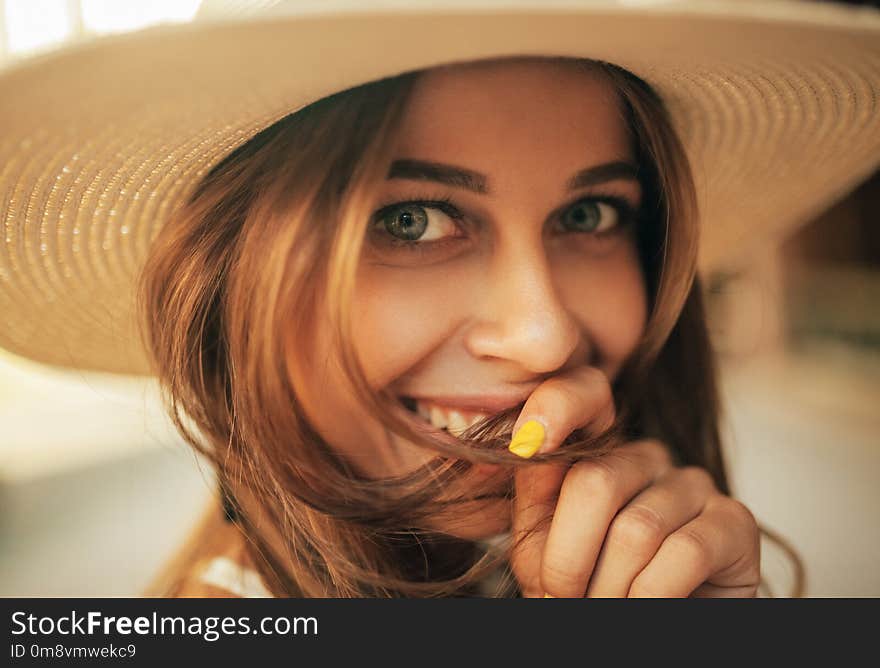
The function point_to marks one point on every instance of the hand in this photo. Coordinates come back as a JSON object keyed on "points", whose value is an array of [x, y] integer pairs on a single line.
{"points": [[628, 523]]}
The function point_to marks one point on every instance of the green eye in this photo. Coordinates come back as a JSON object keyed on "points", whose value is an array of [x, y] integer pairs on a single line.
{"points": [[590, 216], [416, 223], [407, 222]]}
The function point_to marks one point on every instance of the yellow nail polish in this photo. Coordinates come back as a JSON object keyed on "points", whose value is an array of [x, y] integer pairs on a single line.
{"points": [[528, 439]]}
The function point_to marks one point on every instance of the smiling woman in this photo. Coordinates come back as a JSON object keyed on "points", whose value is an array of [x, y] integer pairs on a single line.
{"points": [[508, 267], [423, 285]]}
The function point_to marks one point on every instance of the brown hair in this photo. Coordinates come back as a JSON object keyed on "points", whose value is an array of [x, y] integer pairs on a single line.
{"points": [[250, 229]]}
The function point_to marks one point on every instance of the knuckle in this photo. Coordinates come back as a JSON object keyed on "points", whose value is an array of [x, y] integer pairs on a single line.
{"points": [[734, 511], [561, 390], [572, 393], [601, 384], [554, 398], [597, 475], [741, 512], [585, 374], [598, 378], [652, 445], [743, 517], [694, 546], [646, 587], [638, 528], [560, 579], [653, 453], [697, 476], [603, 395]]}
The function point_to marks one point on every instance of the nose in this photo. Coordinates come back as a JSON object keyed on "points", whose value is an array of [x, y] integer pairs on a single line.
{"points": [[523, 318]]}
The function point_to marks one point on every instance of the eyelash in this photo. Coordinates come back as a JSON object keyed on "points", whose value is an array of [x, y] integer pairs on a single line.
{"points": [[444, 204], [626, 213]]}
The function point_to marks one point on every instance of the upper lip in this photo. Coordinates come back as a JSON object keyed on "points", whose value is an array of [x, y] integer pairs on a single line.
{"points": [[487, 403]]}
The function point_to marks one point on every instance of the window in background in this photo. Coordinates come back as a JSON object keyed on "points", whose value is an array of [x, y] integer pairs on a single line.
{"points": [[28, 27], [34, 25], [105, 16]]}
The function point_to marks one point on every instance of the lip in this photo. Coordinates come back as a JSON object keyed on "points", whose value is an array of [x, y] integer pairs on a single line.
{"points": [[481, 470], [483, 403]]}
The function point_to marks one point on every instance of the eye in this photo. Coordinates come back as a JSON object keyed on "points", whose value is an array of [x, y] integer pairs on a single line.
{"points": [[591, 215], [416, 222]]}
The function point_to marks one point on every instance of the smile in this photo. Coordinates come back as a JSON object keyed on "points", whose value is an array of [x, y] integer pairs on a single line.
{"points": [[453, 420]]}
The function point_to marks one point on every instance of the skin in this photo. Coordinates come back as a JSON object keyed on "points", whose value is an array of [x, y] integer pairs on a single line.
{"points": [[508, 297]]}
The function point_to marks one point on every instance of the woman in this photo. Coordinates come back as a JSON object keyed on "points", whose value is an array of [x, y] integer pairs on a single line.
{"points": [[442, 309], [504, 263]]}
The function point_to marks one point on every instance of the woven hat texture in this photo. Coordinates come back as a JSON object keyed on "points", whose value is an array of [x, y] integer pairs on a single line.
{"points": [[777, 104]]}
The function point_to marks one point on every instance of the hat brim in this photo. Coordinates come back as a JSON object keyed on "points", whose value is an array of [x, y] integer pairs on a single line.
{"points": [[778, 114]]}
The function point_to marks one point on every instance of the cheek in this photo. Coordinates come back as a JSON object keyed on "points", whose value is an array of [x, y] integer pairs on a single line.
{"points": [[400, 316], [329, 401], [608, 297]]}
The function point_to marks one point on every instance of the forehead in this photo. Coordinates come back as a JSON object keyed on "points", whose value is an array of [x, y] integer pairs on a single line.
{"points": [[492, 115]]}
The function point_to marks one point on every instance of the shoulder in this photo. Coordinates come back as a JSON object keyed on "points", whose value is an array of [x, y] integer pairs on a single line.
{"points": [[213, 563], [222, 577]]}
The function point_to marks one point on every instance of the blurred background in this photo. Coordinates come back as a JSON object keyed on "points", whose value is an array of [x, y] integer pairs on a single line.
{"points": [[97, 489]]}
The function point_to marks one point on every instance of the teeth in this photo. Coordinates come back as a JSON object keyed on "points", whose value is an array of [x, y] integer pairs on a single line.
{"points": [[457, 424], [438, 417], [454, 421]]}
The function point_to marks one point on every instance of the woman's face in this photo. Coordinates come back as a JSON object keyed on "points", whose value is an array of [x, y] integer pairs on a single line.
{"points": [[501, 253]]}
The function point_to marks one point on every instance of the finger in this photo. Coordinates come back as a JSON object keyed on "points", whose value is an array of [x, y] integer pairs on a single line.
{"points": [[533, 505], [578, 398], [590, 497], [720, 548], [638, 530]]}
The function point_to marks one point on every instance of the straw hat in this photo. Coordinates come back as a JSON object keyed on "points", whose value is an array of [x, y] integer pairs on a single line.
{"points": [[777, 104]]}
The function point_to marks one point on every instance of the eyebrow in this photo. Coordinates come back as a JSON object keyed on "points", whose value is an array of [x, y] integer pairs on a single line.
{"points": [[459, 177]]}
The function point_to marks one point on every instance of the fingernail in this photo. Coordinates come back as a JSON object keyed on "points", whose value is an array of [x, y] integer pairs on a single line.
{"points": [[549, 596], [528, 439]]}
